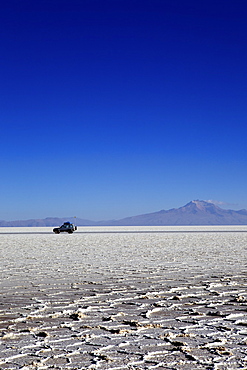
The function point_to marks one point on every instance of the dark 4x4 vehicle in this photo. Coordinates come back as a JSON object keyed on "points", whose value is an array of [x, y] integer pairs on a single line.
{"points": [[66, 227]]}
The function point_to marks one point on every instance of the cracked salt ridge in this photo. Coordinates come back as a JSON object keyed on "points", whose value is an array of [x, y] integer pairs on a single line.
{"points": [[174, 357]]}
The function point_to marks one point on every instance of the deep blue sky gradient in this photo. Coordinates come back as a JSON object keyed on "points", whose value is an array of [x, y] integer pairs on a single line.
{"points": [[115, 108]]}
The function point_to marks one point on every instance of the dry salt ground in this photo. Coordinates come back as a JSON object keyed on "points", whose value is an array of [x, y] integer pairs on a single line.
{"points": [[124, 298]]}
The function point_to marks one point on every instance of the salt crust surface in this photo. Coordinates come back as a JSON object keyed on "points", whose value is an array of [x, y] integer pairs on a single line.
{"points": [[124, 298]]}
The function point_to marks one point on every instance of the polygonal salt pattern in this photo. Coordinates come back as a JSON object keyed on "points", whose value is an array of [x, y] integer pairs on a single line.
{"points": [[124, 298]]}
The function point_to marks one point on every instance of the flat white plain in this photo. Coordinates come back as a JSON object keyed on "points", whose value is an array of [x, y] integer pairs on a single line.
{"points": [[124, 298], [29, 253]]}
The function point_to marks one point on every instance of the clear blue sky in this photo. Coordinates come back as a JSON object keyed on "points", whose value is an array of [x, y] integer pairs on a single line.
{"points": [[113, 108]]}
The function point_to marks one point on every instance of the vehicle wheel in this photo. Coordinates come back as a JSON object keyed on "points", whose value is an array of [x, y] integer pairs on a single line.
{"points": [[70, 232]]}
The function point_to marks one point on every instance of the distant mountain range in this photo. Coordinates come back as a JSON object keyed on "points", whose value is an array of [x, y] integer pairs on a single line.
{"points": [[196, 212]]}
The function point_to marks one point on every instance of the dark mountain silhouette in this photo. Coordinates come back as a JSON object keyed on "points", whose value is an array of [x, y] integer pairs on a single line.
{"points": [[197, 212]]}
